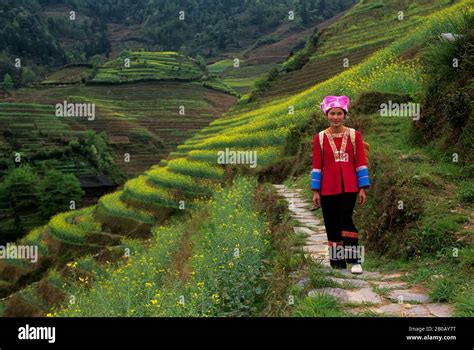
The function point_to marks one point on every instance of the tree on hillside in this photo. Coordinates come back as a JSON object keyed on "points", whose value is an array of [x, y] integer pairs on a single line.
{"points": [[7, 82]]}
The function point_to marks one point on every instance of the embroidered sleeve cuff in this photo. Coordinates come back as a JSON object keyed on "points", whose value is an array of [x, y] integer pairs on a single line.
{"points": [[363, 176], [316, 179]]}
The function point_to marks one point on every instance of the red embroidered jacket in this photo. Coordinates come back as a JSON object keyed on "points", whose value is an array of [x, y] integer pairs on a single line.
{"points": [[331, 177]]}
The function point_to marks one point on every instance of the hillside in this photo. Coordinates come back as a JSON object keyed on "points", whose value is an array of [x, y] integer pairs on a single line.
{"points": [[256, 60], [194, 237], [139, 124]]}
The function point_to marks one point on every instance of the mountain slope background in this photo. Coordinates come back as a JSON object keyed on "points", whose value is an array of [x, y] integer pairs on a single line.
{"points": [[345, 43], [69, 31]]}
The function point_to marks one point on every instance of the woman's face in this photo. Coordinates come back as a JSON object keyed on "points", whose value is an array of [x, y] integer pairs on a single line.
{"points": [[336, 116]]}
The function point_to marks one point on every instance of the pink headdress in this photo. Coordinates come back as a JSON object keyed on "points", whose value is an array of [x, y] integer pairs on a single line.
{"points": [[335, 101]]}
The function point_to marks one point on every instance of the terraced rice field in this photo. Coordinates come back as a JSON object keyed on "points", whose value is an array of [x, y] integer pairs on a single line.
{"points": [[141, 119], [255, 62], [241, 78]]}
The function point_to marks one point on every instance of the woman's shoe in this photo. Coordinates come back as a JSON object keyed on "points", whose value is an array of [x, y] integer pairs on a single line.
{"points": [[356, 269]]}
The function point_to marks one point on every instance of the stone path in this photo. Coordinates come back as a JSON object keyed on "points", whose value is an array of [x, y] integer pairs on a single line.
{"points": [[373, 292]]}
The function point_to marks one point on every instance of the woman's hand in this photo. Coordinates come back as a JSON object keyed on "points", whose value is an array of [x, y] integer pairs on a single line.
{"points": [[362, 196], [316, 199]]}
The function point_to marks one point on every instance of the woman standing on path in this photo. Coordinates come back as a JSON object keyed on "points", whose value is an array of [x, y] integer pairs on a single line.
{"points": [[339, 173]]}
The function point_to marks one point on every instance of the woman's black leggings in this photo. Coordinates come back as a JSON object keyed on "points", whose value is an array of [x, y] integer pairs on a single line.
{"points": [[343, 238]]}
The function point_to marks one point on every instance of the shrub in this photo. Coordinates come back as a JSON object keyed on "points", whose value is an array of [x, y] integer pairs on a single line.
{"points": [[466, 192], [162, 176], [56, 191], [61, 227]]}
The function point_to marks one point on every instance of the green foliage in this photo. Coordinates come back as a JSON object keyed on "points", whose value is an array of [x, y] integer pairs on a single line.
{"points": [[18, 198], [465, 303], [225, 269], [201, 63], [52, 193], [457, 109], [400, 220], [128, 289], [34, 237], [369, 102], [227, 264], [219, 85], [264, 83], [61, 227], [197, 169], [224, 275], [145, 66], [113, 206], [20, 188], [317, 281], [466, 192], [361, 37], [300, 58], [94, 147], [443, 289], [42, 39], [23, 16], [28, 76], [163, 177], [140, 189], [7, 82]]}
